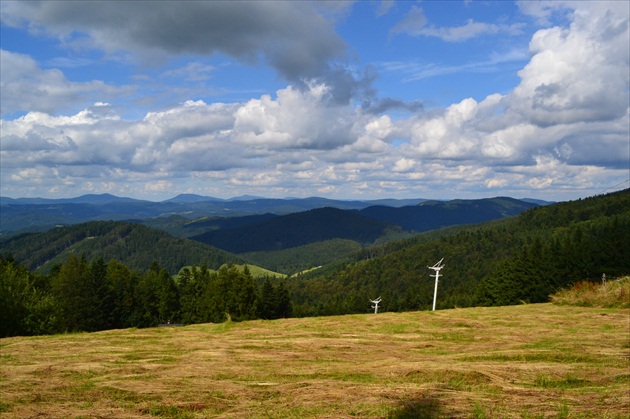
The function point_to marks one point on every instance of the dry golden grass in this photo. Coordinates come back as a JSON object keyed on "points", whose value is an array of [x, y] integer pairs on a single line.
{"points": [[615, 293], [529, 361]]}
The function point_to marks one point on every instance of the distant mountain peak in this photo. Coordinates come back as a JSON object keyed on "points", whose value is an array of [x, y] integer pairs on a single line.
{"points": [[246, 198], [187, 198]]}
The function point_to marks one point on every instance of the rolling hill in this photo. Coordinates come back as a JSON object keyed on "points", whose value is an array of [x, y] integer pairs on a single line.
{"points": [[432, 215], [38, 214], [94, 199], [267, 238], [297, 229], [135, 245], [424, 216]]}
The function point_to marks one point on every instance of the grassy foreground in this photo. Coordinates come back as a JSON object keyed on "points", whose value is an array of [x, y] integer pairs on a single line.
{"points": [[529, 361]]}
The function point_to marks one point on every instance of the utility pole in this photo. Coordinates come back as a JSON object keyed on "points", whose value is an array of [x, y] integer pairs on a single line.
{"points": [[375, 306], [436, 268]]}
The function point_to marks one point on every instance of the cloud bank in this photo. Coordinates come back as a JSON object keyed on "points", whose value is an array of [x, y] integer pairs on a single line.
{"points": [[290, 36], [294, 38], [563, 129]]}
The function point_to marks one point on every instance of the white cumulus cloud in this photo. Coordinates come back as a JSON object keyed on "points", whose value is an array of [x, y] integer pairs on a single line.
{"points": [[27, 87]]}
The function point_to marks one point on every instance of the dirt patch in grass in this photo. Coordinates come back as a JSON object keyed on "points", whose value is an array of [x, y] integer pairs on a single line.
{"points": [[531, 361]]}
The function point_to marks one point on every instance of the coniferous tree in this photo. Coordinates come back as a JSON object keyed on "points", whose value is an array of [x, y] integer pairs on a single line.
{"points": [[147, 293], [98, 296], [216, 300], [244, 294], [268, 301], [121, 283], [15, 291], [77, 288], [168, 297], [284, 306], [195, 308], [187, 297]]}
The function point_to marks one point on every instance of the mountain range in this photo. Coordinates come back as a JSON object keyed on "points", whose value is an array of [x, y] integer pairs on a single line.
{"points": [[101, 199], [40, 214], [92, 225]]}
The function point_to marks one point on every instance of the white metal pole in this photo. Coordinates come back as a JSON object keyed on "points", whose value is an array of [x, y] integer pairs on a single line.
{"points": [[436, 268], [437, 275], [375, 306]]}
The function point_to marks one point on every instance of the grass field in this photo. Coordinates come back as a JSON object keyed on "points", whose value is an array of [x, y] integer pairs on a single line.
{"points": [[528, 361], [255, 271]]}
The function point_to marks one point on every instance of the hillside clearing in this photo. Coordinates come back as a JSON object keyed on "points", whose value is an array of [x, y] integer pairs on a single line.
{"points": [[528, 361], [255, 271]]}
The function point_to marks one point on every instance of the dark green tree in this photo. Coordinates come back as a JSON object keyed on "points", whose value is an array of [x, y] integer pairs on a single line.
{"points": [[72, 291], [193, 288], [168, 297], [98, 294], [268, 301], [147, 295], [121, 283], [284, 307], [15, 295], [244, 293]]}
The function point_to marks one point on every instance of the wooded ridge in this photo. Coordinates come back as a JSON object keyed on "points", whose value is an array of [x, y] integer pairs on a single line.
{"points": [[135, 245]]}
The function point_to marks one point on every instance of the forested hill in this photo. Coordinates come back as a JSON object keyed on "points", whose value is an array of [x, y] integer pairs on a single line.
{"points": [[297, 229], [432, 215], [137, 246], [519, 259]]}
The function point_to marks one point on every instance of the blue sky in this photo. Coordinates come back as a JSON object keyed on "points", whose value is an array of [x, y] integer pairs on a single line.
{"points": [[347, 100]]}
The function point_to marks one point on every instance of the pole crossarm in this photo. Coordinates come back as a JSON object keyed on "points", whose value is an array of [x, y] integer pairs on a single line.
{"points": [[437, 266]]}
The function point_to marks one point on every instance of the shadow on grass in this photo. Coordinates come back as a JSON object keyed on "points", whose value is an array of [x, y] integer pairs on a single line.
{"points": [[418, 408]]}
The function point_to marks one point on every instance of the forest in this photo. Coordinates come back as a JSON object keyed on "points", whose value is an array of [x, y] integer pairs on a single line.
{"points": [[521, 259], [89, 296]]}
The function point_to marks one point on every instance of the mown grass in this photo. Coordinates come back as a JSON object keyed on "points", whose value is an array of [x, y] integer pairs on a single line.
{"points": [[529, 361]]}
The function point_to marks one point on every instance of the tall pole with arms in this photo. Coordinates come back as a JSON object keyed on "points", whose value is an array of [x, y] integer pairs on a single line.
{"points": [[436, 268], [375, 306]]}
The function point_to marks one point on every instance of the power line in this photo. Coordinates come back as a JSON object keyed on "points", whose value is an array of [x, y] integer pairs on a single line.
{"points": [[614, 186]]}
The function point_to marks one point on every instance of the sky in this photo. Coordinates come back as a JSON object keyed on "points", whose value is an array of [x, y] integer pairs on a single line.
{"points": [[344, 100]]}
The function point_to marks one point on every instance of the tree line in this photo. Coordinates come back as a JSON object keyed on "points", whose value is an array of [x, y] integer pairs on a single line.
{"points": [[89, 296]]}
